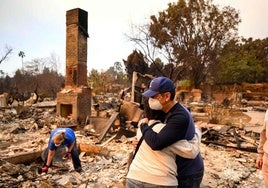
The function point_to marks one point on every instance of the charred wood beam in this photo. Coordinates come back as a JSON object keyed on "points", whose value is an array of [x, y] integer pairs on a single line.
{"points": [[248, 149], [108, 126], [93, 149], [23, 158]]}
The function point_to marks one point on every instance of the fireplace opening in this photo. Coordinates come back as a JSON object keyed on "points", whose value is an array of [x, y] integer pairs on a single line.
{"points": [[66, 110]]}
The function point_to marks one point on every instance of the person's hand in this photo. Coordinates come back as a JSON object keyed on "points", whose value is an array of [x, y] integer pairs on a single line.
{"points": [[259, 163], [143, 120], [43, 169], [135, 142], [135, 103], [67, 155]]}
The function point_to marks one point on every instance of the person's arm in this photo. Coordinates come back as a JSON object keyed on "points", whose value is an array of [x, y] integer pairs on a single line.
{"points": [[174, 130], [69, 151], [260, 147], [70, 147], [70, 139], [188, 149], [50, 156]]}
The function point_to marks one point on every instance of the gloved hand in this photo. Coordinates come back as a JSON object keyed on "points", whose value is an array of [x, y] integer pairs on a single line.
{"points": [[67, 155], [43, 169]]}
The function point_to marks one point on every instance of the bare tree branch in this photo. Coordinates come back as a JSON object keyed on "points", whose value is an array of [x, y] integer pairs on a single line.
{"points": [[8, 51]]}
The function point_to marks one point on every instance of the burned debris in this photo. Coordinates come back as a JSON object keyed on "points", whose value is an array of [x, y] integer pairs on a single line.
{"points": [[23, 149], [229, 142], [105, 141]]}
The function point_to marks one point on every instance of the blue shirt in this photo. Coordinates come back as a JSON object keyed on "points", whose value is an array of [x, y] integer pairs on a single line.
{"points": [[70, 137]]}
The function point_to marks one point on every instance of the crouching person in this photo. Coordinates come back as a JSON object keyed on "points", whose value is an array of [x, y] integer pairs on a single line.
{"points": [[62, 137]]}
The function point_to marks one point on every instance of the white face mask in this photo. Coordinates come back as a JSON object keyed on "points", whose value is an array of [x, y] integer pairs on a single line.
{"points": [[57, 145], [154, 104]]}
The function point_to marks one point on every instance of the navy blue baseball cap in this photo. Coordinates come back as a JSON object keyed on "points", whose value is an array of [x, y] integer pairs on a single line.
{"points": [[159, 85]]}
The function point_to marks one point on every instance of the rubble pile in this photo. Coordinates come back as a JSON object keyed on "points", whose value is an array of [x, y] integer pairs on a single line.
{"points": [[26, 133], [30, 133]]}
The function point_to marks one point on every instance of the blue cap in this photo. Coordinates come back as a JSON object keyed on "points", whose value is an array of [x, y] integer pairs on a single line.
{"points": [[159, 85]]}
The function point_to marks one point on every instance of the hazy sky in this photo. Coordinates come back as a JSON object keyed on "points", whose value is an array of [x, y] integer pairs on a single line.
{"points": [[37, 27]]}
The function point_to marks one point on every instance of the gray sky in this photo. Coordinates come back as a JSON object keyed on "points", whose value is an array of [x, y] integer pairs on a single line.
{"points": [[37, 27]]}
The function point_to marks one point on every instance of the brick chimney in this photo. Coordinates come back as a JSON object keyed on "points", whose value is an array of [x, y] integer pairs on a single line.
{"points": [[74, 101]]}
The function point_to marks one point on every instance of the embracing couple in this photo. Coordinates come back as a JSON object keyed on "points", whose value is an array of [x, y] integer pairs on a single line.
{"points": [[169, 155]]}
